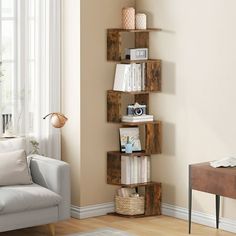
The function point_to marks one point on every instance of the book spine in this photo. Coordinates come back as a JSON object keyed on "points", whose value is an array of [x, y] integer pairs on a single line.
{"points": [[136, 77], [143, 72], [139, 77], [128, 79], [148, 169], [144, 169], [131, 160], [125, 170], [140, 180], [135, 170], [133, 76]]}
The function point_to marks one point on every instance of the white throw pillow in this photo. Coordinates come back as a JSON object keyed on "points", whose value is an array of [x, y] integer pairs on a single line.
{"points": [[14, 169], [14, 144]]}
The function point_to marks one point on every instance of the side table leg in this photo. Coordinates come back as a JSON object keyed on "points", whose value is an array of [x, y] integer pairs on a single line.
{"points": [[189, 200], [217, 210], [189, 210]]}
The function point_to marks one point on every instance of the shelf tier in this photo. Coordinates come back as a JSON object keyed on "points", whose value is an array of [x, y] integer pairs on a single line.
{"points": [[135, 30], [135, 185], [127, 61], [114, 41], [152, 202], [152, 74], [132, 92], [134, 154], [126, 216], [153, 140], [114, 169], [115, 104], [157, 122]]}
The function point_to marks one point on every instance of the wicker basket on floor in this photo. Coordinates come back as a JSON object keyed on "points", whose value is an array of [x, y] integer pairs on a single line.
{"points": [[129, 205]]}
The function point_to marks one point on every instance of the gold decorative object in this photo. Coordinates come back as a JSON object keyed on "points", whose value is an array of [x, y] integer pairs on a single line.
{"points": [[57, 119]]}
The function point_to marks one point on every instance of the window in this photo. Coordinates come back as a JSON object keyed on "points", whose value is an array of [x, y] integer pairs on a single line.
{"points": [[18, 31], [29, 51], [8, 56]]}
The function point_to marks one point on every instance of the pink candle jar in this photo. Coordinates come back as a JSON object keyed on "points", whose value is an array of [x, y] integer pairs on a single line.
{"points": [[128, 18]]}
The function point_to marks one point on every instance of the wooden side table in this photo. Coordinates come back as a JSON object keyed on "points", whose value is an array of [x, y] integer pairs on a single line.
{"points": [[217, 181]]}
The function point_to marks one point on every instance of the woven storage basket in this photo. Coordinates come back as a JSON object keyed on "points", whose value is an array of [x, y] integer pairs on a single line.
{"points": [[129, 205]]}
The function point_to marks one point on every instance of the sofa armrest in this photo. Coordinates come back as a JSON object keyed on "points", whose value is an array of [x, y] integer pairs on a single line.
{"points": [[54, 175]]}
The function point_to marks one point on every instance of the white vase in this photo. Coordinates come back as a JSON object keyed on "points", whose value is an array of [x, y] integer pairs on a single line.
{"points": [[141, 21]]}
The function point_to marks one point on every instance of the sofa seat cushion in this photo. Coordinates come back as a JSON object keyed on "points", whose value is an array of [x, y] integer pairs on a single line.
{"points": [[26, 197]]}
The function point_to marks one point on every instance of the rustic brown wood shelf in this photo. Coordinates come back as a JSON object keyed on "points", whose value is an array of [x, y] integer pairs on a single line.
{"points": [[114, 167], [132, 93], [126, 61], [135, 30], [140, 123], [114, 103], [114, 41], [139, 154], [152, 129], [135, 185]]}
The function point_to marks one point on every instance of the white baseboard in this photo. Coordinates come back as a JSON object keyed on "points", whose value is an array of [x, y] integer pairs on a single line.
{"points": [[92, 210], [198, 217], [168, 210]]}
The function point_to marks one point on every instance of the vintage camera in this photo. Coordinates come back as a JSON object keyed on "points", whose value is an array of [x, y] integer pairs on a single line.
{"points": [[136, 109]]}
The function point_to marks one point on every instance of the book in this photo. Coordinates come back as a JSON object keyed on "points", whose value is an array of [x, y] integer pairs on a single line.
{"points": [[143, 75], [141, 118], [128, 86], [129, 77], [226, 162], [121, 76], [131, 161], [134, 177], [125, 170], [143, 169], [135, 169], [139, 77], [134, 77], [140, 170], [148, 169]]}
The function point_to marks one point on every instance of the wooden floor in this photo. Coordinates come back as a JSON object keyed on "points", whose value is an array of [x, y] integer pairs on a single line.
{"points": [[150, 226]]}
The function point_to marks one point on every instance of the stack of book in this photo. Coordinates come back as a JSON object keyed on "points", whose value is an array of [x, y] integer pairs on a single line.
{"points": [[135, 169], [142, 118], [130, 77]]}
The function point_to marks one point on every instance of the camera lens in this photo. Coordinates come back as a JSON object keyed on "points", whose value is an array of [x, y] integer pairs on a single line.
{"points": [[138, 111]]}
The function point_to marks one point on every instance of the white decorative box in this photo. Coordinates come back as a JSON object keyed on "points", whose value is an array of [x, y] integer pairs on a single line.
{"points": [[136, 53]]}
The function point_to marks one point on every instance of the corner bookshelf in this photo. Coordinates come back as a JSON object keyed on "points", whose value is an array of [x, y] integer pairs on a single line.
{"points": [[152, 129]]}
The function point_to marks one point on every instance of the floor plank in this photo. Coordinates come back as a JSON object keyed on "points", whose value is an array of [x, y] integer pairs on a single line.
{"points": [[150, 226]]}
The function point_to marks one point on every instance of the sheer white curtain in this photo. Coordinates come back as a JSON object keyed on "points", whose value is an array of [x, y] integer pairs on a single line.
{"points": [[30, 87]]}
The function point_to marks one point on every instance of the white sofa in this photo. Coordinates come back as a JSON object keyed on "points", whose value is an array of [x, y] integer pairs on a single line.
{"points": [[46, 201]]}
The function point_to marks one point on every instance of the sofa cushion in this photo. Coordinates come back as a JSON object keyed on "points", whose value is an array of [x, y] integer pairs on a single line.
{"points": [[14, 168], [26, 197]]}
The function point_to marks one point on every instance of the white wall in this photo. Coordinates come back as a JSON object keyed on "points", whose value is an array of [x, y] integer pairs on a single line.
{"points": [[71, 91], [97, 74], [197, 104], [87, 136]]}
